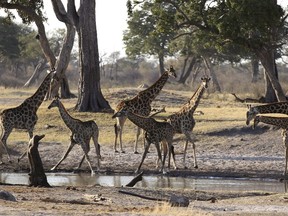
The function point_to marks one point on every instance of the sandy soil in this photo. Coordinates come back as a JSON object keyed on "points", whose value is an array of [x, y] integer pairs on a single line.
{"points": [[237, 152]]}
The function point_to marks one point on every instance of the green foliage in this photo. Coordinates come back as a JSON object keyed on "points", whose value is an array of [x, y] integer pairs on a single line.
{"points": [[25, 14], [9, 44], [149, 29]]}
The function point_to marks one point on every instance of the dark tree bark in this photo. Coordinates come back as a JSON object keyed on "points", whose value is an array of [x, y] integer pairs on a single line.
{"points": [[186, 71], [64, 56], [274, 91], [209, 66], [90, 97], [37, 177], [255, 70]]}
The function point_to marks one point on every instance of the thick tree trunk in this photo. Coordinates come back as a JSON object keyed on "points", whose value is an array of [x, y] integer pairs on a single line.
{"points": [[90, 96], [255, 70], [266, 56], [161, 63], [186, 71]]}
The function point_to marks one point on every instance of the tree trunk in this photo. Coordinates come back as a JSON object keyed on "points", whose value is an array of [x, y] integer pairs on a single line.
{"points": [[90, 96], [209, 66], [266, 56], [255, 70], [186, 72], [269, 94], [161, 63]]}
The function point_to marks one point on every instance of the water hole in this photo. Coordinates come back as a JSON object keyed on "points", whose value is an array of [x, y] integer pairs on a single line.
{"points": [[195, 183]]}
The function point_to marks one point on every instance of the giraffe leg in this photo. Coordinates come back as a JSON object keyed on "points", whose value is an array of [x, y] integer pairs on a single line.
{"points": [[116, 130], [172, 153], [189, 139], [97, 148], [72, 143], [5, 133], [86, 150], [286, 161], [164, 146], [143, 156], [120, 123], [30, 133], [136, 140]]}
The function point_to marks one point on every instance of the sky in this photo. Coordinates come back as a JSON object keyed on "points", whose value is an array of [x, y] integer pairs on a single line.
{"points": [[111, 18]]}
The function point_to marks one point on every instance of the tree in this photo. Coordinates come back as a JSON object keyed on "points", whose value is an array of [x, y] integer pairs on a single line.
{"points": [[147, 34], [257, 26], [90, 97]]}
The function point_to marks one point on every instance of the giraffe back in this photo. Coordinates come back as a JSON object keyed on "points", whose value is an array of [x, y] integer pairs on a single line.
{"points": [[141, 103], [24, 116], [278, 107], [281, 122]]}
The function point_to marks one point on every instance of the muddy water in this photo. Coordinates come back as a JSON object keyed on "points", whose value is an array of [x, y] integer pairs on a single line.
{"points": [[206, 184]]}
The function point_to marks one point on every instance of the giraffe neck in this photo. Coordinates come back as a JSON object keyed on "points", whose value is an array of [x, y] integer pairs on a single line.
{"points": [[151, 93], [279, 107], [37, 98], [194, 100], [276, 121], [68, 120], [141, 121]]}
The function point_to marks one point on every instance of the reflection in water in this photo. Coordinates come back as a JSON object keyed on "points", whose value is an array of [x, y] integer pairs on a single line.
{"points": [[206, 184]]}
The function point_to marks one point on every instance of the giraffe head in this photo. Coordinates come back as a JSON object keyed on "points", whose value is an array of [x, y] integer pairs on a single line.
{"points": [[205, 81], [256, 121], [171, 72], [122, 112], [250, 114], [54, 103]]}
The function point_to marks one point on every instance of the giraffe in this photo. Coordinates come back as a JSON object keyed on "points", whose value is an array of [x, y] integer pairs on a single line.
{"points": [[82, 132], [155, 132], [183, 121], [24, 116], [278, 107], [141, 105], [281, 122]]}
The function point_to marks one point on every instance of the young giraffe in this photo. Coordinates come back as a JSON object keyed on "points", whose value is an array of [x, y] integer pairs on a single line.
{"points": [[155, 132], [183, 120], [281, 122], [278, 107], [141, 105], [24, 116], [82, 132]]}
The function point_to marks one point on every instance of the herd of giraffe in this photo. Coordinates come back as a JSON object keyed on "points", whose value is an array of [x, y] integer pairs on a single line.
{"points": [[137, 110]]}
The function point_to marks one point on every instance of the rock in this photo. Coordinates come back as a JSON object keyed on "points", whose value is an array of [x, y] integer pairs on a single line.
{"points": [[179, 201], [5, 195]]}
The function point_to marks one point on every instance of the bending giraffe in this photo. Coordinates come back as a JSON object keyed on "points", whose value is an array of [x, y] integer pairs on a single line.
{"points": [[155, 132], [281, 122], [278, 107], [24, 116], [183, 121], [141, 105], [82, 132]]}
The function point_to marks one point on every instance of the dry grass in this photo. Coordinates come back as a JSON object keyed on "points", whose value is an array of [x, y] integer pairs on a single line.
{"points": [[219, 110]]}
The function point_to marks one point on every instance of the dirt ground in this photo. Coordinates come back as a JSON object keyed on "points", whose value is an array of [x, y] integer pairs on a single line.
{"points": [[237, 152]]}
